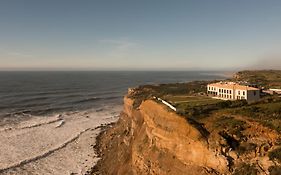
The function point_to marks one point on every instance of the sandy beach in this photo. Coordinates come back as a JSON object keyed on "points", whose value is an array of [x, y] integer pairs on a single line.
{"points": [[59, 144]]}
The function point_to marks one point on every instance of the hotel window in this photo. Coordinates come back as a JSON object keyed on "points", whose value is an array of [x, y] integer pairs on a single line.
{"points": [[230, 97], [224, 91], [238, 92], [230, 91], [243, 92], [227, 91]]}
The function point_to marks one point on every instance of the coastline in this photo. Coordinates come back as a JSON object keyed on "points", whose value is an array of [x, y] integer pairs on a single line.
{"points": [[148, 138], [97, 147], [60, 144]]}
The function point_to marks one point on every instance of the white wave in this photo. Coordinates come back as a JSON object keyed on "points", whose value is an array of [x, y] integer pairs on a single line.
{"points": [[40, 144]]}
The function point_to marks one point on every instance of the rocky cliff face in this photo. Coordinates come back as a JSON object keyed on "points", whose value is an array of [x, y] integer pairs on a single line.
{"points": [[151, 139], [154, 140]]}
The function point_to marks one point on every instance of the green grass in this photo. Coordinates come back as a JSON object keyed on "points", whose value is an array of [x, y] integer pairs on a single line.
{"points": [[182, 102], [267, 113], [232, 125], [183, 98], [265, 78], [192, 105], [228, 122], [148, 91], [201, 108]]}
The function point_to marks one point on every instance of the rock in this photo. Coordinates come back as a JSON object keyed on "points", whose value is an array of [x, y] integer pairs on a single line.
{"points": [[233, 154]]}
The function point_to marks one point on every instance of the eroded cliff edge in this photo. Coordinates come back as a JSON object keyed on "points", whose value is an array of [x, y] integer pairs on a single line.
{"points": [[154, 140], [204, 136]]}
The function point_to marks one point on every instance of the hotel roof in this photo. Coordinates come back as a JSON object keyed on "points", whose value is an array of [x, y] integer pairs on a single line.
{"points": [[232, 85]]}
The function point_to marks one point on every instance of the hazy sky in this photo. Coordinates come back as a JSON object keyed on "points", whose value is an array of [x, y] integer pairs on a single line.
{"points": [[143, 34]]}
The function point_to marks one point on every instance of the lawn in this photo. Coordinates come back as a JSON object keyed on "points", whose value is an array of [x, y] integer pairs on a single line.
{"points": [[190, 101]]}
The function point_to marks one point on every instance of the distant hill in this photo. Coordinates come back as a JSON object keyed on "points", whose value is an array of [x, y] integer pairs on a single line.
{"points": [[265, 78]]}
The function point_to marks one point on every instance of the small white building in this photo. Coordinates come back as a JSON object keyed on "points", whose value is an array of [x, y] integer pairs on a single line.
{"points": [[233, 91]]}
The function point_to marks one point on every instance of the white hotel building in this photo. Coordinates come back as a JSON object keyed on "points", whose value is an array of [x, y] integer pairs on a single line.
{"points": [[233, 91]]}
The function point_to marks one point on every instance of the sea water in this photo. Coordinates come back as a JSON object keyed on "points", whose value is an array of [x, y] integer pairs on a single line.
{"points": [[49, 121]]}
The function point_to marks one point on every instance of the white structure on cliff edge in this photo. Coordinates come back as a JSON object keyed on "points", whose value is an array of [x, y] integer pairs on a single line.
{"points": [[166, 103], [233, 91]]}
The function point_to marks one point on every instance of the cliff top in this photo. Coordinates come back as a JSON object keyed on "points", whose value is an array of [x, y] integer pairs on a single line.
{"points": [[265, 78], [246, 135]]}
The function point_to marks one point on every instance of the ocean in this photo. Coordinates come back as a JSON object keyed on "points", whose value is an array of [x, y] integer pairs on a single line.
{"points": [[43, 93], [49, 121]]}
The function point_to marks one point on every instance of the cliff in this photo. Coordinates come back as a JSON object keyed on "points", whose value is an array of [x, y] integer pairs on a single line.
{"points": [[149, 138], [204, 136], [154, 140]]}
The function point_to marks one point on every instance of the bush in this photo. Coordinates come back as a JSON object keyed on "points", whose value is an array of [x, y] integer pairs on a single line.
{"points": [[246, 147], [275, 155], [275, 170], [246, 169], [233, 126]]}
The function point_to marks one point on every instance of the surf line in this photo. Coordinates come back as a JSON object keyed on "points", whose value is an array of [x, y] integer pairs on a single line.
{"points": [[29, 160], [33, 126]]}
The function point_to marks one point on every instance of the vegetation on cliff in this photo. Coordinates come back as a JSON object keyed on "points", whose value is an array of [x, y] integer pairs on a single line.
{"points": [[264, 78], [145, 92], [247, 135]]}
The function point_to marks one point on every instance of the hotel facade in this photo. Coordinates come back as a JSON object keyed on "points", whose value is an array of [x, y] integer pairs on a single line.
{"points": [[233, 91]]}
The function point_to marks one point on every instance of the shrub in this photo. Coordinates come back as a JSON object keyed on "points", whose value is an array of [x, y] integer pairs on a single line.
{"points": [[246, 147], [246, 169], [275, 170], [275, 154]]}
